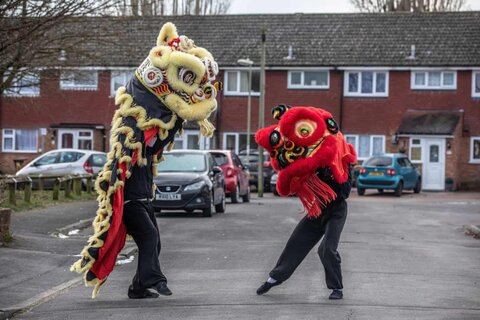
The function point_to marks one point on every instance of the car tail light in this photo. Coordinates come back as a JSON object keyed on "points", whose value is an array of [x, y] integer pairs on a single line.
{"points": [[88, 167], [363, 170], [391, 172], [229, 172]]}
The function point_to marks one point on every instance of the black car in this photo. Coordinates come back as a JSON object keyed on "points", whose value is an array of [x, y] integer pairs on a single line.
{"points": [[252, 164], [189, 180]]}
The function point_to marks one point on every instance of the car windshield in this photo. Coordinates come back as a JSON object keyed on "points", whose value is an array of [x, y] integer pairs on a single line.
{"points": [[220, 159], [379, 162], [182, 162]]}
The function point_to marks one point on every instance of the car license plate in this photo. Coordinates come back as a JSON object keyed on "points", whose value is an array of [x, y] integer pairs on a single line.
{"points": [[168, 197], [375, 174]]}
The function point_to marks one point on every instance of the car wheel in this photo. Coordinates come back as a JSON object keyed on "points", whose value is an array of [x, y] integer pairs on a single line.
{"points": [[220, 208], [380, 190], [360, 191], [208, 212], [418, 186], [274, 190], [399, 189], [246, 197], [235, 197]]}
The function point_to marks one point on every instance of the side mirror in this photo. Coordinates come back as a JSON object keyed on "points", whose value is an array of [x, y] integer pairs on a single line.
{"points": [[36, 164], [216, 170]]}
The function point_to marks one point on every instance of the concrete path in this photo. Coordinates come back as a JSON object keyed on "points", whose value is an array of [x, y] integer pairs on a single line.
{"points": [[402, 258]]}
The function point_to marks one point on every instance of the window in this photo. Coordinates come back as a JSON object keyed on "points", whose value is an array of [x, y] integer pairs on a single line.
{"points": [[79, 80], [476, 84], [70, 156], [434, 80], [366, 84], [314, 79], [367, 145], [76, 138], [119, 78], [475, 150], [191, 139], [236, 82], [25, 85], [20, 140], [416, 150], [238, 141]]}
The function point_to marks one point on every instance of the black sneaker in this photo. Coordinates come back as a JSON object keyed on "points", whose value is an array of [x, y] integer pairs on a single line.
{"points": [[264, 288], [141, 294], [162, 289], [336, 295]]}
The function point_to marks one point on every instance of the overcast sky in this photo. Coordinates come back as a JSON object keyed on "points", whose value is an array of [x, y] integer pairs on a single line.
{"points": [[292, 6]]}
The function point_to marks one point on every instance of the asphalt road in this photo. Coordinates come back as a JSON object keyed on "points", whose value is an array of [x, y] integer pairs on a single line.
{"points": [[402, 258]]}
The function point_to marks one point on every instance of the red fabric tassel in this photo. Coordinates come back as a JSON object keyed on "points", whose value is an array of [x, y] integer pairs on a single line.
{"points": [[315, 195]]}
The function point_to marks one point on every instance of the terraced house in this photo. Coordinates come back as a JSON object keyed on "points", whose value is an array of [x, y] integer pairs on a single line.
{"points": [[402, 82]]}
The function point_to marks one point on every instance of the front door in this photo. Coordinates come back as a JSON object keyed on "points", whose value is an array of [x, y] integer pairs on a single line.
{"points": [[434, 164], [75, 138]]}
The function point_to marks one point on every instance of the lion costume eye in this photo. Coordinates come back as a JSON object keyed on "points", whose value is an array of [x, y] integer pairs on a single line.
{"points": [[305, 128], [187, 76]]}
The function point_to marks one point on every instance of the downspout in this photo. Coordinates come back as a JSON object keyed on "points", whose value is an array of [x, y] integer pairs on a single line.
{"points": [[340, 111]]}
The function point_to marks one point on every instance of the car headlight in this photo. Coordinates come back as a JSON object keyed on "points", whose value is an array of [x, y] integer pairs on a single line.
{"points": [[195, 186]]}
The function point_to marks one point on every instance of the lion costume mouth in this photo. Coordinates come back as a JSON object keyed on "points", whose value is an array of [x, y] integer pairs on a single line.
{"points": [[288, 153]]}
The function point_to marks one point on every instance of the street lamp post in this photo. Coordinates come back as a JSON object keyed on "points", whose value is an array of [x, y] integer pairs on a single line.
{"points": [[249, 63]]}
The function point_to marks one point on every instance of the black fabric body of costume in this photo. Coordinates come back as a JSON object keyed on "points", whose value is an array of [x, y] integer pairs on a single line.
{"points": [[139, 216], [310, 231]]}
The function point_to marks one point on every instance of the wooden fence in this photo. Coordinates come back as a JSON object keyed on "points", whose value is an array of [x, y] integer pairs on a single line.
{"points": [[70, 184]]}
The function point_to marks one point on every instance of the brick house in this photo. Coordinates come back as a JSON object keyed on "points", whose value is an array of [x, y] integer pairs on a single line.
{"points": [[402, 82]]}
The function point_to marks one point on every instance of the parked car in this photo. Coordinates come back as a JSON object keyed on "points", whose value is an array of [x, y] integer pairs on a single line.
{"points": [[392, 171], [252, 164], [189, 180], [61, 162], [273, 184], [237, 176]]}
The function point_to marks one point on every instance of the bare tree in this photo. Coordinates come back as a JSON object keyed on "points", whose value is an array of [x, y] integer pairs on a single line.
{"points": [[408, 5], [42, 33], [172, 7]]}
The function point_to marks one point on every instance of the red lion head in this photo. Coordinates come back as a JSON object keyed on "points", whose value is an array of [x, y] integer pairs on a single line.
{"points": [[304, 140]]}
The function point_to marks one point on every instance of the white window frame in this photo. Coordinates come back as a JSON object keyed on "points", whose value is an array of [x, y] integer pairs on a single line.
{"points": [[474, 161], [357, 141], [414, 86], [237, 140], [474, 75], [68, 86], [31, 91], [410, 145], [359, 93], [182, 140], [302, 80], [76, 137], [237, 92], [12, 136], [126, 73]]}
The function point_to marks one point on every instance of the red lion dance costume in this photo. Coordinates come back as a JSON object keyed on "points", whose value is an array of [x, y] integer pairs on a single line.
{"points": [[304, 140]]}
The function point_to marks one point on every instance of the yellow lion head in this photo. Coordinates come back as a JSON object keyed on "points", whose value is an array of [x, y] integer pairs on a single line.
{"points": [[181, 75]]}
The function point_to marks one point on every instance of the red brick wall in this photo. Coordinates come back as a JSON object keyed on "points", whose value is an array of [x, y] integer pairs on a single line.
{"points": [[55, 106]]}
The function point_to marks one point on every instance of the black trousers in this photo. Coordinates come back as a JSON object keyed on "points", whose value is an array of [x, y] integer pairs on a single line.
{"points": [[306, 235], [139, 218]]}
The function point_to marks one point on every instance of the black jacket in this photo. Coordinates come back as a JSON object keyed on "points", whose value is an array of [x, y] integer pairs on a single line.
{"points": [[341, 189]]}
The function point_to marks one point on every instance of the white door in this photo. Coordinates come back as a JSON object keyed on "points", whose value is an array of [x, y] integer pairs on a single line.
{"points": [[433, 175]]}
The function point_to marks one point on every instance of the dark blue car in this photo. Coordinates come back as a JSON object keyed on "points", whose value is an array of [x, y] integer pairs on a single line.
{"points": [[392, 171]]}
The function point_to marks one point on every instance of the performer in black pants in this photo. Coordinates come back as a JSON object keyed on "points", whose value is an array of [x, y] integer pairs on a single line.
{"points": [[308, 233], [139, 219]]}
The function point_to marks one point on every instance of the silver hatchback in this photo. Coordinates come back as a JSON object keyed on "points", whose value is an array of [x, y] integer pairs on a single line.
{"points": [[62, 162]]}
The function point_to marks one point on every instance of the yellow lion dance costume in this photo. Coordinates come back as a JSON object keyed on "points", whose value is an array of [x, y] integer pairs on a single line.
{"points": [[173, 84]]}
